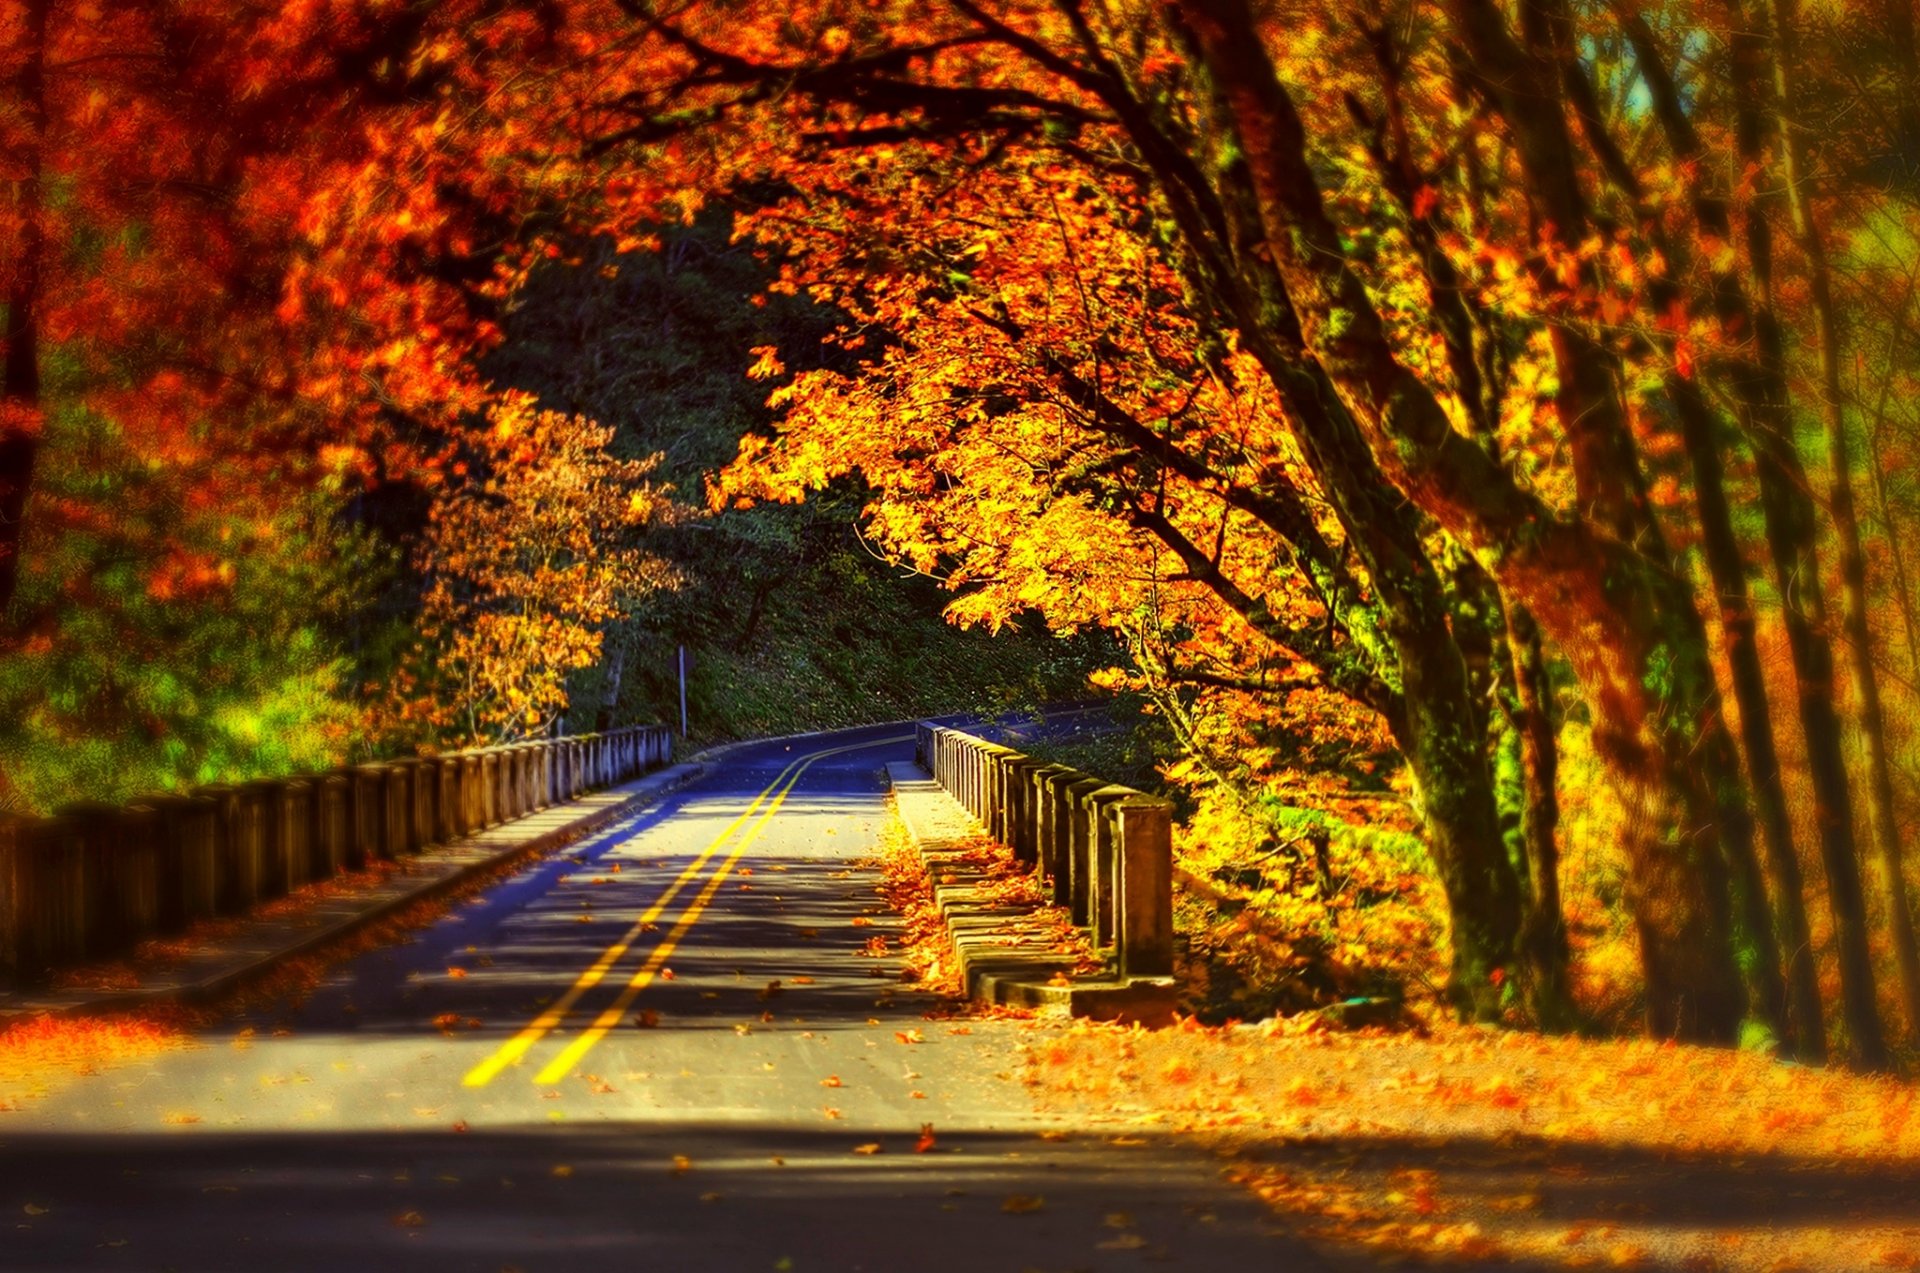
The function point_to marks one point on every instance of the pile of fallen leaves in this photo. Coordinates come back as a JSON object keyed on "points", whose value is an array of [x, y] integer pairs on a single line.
{"points": [[921, 945], [39, 1053], [1471, 1146]]}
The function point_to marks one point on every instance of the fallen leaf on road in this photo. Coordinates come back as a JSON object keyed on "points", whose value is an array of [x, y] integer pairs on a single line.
{"points": [[181, 1120], [773, 988], [741, 1027], [909, 1036], [35, 1209], [803, 981], [926, 1141], [861, 921], [832, 1080], [460, 1126], [454, 972], [682, 1164], [666, 974], [1021, 1203], [409, 1219], [646, 1018], [918, 1096], [562, 1170], [1122, 1242], [599, 1086], [1119, 1220], [831, 1112], [871, 1147], [712, 1195]]}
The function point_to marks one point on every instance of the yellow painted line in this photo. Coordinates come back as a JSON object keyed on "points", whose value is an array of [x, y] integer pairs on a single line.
{"points": [[560, 1066], [510, 1052]]}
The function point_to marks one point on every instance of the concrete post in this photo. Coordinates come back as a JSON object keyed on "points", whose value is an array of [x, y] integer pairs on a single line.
{"points": [[1079, 857], [269, 797], [332, 810], [120, 874], [370, 815], [426, 800], [491, 813], [1145, 904], [353, 844], [297, 846], [46, 903], [188, 869], [473, 798], [1103, 866], [399, 810]]}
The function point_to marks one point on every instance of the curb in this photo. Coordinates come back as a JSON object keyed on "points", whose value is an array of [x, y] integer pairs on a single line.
{"points": [[993, 969], [640, 793]]}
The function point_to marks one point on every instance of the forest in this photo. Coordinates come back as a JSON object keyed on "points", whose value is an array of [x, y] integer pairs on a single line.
{"points": [[1477, 439]]}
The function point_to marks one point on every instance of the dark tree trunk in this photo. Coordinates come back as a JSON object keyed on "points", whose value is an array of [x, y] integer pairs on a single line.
{"points": [[1543, 935], [1806, 1032]]}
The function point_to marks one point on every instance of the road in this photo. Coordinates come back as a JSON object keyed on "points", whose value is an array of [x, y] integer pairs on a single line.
{"points": [[589, 1067]]}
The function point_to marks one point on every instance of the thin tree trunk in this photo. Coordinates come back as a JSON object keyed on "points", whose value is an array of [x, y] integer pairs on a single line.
{"points": [[615, 655], [1806, 1033], [1762, 406], [20, 406], [1543, 934], [1853, 562]]}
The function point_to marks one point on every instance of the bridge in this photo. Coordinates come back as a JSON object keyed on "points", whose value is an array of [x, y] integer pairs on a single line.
{"points": [[670, 1044]]}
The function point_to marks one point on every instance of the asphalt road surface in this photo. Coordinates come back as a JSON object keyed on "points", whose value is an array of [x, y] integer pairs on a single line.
{"points": [[589, 1068]]}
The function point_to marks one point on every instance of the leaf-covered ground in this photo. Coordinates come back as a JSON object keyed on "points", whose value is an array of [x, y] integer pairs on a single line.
{"points": [[1509, 1148]]}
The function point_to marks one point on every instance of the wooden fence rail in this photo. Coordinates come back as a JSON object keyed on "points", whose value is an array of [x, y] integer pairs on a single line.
{"points": [[1107, 850], [95, 880]]}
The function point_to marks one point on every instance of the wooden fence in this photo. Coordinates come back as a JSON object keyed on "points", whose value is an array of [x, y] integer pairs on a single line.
{"points": [[95, 880], [1107, 850]]}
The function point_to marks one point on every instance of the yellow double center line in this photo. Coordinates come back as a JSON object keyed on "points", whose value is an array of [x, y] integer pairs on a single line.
{"points": [[511, 1052]]}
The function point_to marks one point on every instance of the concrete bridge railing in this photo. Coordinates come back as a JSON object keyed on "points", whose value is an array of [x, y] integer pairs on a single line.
{"points": [[1107, 850], [95, 880]]}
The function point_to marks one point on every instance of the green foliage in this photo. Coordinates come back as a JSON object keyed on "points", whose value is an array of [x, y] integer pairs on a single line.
{"points": [[172, 638]]}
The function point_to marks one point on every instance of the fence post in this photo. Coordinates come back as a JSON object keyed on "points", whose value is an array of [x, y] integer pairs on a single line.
{"points": [[1146, 887], [188, 843], [370, 814], [332, 826], [268, 797], [426, 801], [120, 874], [490, 814], [48, 899], [12, 831], [1103, 866]]}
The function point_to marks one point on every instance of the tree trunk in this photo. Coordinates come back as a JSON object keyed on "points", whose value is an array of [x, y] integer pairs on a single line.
{"points": [[1626, 622], [1806, 1032], [20, 406], [1853, 563], [1761, 401], [1543, 934], [616, 656]]}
